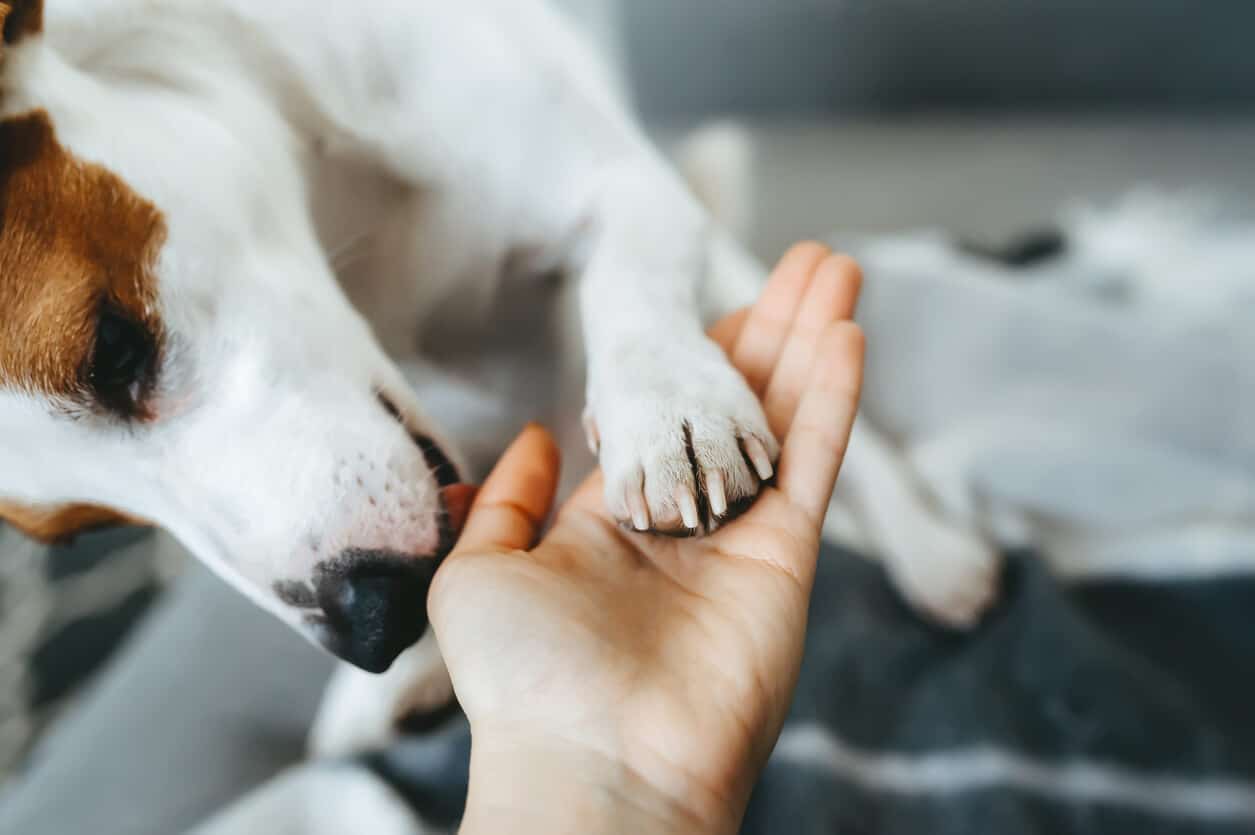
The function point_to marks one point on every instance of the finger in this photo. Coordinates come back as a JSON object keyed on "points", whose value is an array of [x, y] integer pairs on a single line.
{"points": [[829, 298], [727, 330], [771, 318], [852, 285], [816, 443], [516, 499], [590, 494]]}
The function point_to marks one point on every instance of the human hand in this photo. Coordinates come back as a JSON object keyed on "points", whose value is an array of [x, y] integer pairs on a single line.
{"points": [[622, 682]]}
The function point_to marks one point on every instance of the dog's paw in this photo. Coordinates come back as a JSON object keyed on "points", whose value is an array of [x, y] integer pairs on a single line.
{"points": [[361, 712], [948, 575], [684, 445]]}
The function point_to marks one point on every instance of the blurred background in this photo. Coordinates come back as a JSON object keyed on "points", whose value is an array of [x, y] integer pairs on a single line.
{"points": [[989, 115], [898, 128], [707, 57]]}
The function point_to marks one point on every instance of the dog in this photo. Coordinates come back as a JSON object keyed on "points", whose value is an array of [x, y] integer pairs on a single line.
{"points": [[235, 237]]}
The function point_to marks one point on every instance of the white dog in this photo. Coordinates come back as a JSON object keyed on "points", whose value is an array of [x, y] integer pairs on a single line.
{"points": [[226, 227]]}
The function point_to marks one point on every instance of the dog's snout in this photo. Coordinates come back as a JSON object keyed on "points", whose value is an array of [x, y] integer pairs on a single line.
{"points": [[374, 606]]}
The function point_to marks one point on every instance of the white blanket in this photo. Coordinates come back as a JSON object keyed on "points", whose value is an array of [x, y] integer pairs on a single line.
{"points": [[1098, 405]]}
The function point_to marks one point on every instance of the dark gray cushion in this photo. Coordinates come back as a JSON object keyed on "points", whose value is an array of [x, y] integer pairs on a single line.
{"points": [[63, 613], [210, 698]]}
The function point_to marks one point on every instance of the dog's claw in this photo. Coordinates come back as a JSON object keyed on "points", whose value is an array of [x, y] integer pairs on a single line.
{"points": [[757, 454], [716, 493], [685, 446], [638, 508], [688, 508], [591, 433]]}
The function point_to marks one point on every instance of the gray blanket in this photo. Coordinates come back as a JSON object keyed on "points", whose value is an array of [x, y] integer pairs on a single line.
{"points": [[1107, 708]]}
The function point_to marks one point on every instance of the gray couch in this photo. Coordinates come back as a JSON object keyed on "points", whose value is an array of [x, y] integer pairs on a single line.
{"points": [[211, 696], [803, 56]]}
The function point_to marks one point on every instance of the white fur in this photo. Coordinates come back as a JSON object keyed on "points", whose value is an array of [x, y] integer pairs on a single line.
{"points": [[318, 800], [360, 711]]}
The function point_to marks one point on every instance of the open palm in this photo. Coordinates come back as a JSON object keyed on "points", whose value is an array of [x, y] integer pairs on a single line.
{"points": [[674, 659]]}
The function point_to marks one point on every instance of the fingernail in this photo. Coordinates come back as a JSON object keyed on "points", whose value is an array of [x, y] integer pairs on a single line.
{"points": [[759, 458], [688, 507], [717, 494], [640, 514]]}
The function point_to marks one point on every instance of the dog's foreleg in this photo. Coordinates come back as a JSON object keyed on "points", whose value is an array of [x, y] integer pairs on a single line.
{"points": [[942, 566], [318, 799], [504, 106], [363, 712], [683, 440]]}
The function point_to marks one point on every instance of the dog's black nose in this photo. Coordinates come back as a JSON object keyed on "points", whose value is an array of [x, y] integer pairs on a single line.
{"points": [[374, 605]]}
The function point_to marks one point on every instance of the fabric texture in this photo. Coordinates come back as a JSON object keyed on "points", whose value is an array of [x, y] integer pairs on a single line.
{"points": [[1089, 404], [63, 613], [208, 699], [1104, 708]]}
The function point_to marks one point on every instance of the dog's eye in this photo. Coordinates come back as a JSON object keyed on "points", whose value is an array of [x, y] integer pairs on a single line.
{"points": [[121, 362]]}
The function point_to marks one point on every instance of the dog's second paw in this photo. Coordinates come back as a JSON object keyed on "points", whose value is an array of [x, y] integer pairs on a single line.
{"points": [[684, 446], [948, 575], [362, 712]]}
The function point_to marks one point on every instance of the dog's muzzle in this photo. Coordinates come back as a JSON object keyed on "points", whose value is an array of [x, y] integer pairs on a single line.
{"points": [[374, 603], [374, 606]]}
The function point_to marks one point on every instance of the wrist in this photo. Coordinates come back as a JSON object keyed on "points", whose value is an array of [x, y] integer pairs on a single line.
{"points": [[523, 784]]}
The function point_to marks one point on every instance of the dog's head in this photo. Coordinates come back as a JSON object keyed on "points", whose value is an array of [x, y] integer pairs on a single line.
{"points": [[174, 348]]}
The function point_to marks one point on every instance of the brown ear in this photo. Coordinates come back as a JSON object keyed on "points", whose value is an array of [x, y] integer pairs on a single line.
{"points": [[21, 18], [61, 523]]}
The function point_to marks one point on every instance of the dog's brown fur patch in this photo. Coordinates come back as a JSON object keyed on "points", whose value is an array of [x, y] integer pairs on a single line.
{"points": [[73, 236], [20, 18], [54, 525]]}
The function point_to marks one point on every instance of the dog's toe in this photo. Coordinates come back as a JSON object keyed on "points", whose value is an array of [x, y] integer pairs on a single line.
{"points": [[688, 478], [684, 443]]}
